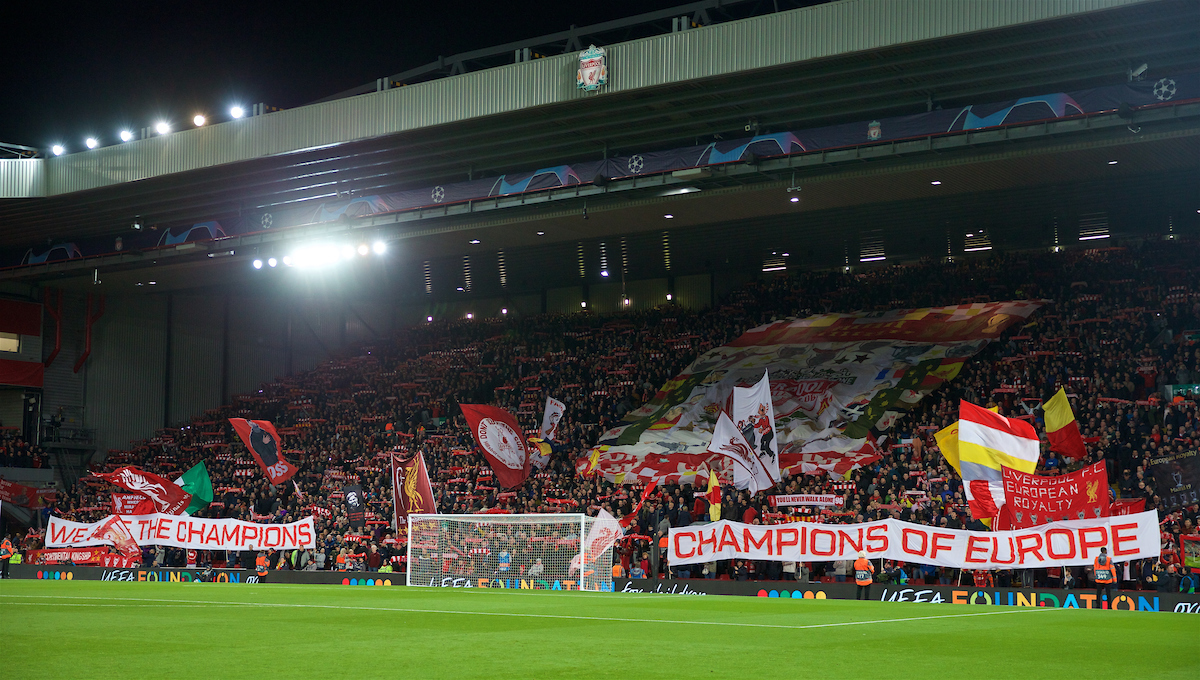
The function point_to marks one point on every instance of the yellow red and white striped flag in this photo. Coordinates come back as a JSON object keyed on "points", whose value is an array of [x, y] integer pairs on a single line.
{"points": [[986, 443]]}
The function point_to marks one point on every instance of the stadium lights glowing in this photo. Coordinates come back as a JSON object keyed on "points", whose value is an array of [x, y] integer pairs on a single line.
{"points": [[776, 269], [287, 260], [460, 289], [626, 302], [794, 199], [976, 249], [604, 273], [872, 259], [363, 249], [583, 304], [429, 318], [1112, 162], [91, 143], [380, 247], [199, 120], [542, 233], [162, 127], [936, 182], [1093, 238], [504, 310], [58, 149], [474, 241], [257, 264], [272, 262], [668, 297], [669, 216], [236, 112], [126, 135], [347, 252], [470, 315]]}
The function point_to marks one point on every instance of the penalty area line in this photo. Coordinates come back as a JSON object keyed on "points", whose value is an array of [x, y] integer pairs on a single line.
{"points": [[570, 617]]}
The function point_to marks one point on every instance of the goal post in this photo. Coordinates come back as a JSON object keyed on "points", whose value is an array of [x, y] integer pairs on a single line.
{"points": [[532, 552]]}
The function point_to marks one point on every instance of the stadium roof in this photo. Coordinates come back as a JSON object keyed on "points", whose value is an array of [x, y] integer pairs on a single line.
{"points": [[856, 60]]}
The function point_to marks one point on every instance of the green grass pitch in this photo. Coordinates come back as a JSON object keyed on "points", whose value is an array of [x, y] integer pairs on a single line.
{"points": [[88, 629]]}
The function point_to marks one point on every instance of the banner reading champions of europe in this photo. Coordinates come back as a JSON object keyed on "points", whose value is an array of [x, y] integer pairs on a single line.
{"points": [[834, 378], [1070, 543], [181, 531]]}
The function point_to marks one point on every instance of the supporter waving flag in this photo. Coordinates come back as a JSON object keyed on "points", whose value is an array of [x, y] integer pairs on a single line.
{"points": [[755, 419], [167, 498], [411, 490], [554, 413], [1061, 428], [986, 442], [498, 434], [264, 444], [748, 471]]}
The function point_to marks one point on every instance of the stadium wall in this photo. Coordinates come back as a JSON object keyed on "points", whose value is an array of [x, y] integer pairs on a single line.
{"points": [[1136, 600]]}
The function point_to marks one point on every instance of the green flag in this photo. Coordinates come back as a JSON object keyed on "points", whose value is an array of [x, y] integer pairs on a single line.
{"points": [[197, 483]]}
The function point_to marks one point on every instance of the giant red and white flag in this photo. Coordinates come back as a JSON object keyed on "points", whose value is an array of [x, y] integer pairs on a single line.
{"points": [[748, 472], [754, 417], [411, 491], [498, 434], [168, 498], [1030, 500], [266, 446], [553, 414]]}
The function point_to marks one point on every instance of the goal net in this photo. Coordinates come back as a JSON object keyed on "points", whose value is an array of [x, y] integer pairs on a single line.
{"points": [[539, 552]]}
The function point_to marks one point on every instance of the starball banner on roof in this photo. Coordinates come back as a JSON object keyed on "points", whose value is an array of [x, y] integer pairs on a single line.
{"points": [[836, 381], [1023, 111], [1070, 543]]}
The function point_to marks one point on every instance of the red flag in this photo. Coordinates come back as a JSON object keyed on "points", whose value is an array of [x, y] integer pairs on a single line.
{"points": [[132, 504], [498, 434], [113, 530], [628, 519], [411, 490], [167, 497], [264, 444], [1126, 506]]}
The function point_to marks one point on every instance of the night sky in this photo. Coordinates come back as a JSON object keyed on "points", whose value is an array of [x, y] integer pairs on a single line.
{"points": [[68, 72]]}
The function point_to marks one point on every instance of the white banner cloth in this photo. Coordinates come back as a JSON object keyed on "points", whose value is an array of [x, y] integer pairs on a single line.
{"points": [[181, 531]]}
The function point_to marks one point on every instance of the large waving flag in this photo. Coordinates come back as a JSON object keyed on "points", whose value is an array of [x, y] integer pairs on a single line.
{"points": [[498, 434], [166, 497], [196, 482], [264, 444], [714, 497], [986, 443], [748, 472], [1061, 427], [754, 415]]}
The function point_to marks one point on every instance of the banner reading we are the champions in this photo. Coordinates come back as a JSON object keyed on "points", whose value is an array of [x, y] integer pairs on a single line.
{"points": [[181, 531], [1068, 543]]}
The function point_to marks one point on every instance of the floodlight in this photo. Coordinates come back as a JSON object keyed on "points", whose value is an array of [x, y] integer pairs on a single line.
{"points": [[92, 143], [237, 112], [363, 249], [58, 149], [126, 135], [162, 127], [379, 247], [258, 264], [199, 120], [272, 262]]}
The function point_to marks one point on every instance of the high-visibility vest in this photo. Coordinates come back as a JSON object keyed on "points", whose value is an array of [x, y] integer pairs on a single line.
{"points": [[1103, 573], [261, 564], [863, 571], [618, 571], [6, 550]]}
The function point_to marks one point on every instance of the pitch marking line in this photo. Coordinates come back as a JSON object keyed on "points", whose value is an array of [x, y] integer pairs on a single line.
{"points": [[523, 615]]}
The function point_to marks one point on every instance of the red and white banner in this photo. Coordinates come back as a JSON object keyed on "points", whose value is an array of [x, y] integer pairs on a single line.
{"points": [[74, 556], [166, 496], [1031, 500], [264, 444], [181, 531], [498, 434], [748, 471], [132, 504], [550, 418], [754, 416], [1070, 543], [822, 500], [411, 491]]}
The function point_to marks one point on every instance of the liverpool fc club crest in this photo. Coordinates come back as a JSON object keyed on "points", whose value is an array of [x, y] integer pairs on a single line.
{"points": [[593, 69], [874, 131]]}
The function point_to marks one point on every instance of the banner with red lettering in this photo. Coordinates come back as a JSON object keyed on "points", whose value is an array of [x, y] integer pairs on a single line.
{"points": [[1069, 543], [181, 531], [25, 496], [74, 556], [1031, 500], [264, 444], [818, 499]]}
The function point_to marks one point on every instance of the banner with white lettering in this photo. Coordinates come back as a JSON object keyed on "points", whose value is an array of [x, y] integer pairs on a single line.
{"points": [[818, 499], [181, 531], [1069, 543]]}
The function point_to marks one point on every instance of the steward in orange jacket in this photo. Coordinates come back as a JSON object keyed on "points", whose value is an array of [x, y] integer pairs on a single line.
{"points": [[864, 573]]}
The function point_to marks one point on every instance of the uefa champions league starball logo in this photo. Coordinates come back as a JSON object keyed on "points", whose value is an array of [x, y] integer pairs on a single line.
{"points": [[502, 442]]}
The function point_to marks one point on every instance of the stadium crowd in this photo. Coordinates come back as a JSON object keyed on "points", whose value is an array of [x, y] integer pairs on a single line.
{"points": [[1113, 333]]}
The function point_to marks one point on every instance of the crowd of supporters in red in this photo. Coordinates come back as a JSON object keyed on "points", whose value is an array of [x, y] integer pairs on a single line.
{"points": [[1113, 333]]}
